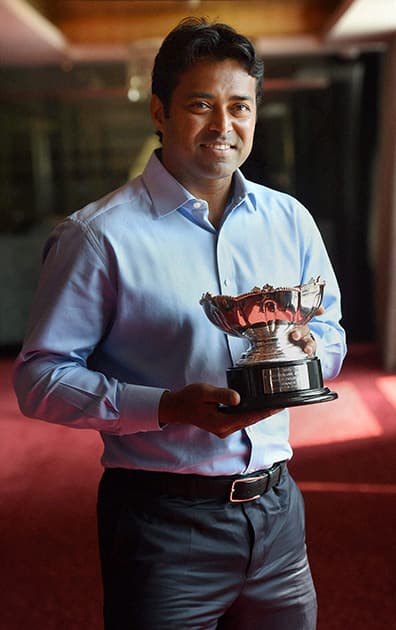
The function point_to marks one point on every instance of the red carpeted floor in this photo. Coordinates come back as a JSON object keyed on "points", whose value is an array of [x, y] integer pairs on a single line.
{"points": [[344, 463]]}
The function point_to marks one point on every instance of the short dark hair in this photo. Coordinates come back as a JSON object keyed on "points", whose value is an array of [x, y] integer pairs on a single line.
{"points": [[195, 39]]}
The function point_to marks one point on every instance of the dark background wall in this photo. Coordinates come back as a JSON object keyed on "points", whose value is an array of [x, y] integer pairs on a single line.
{"points": [[70, 135]]}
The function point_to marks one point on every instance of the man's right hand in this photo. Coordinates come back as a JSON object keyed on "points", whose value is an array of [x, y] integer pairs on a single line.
{"points": [[198, 404]]}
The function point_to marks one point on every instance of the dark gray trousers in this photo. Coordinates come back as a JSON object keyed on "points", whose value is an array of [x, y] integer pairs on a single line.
{"points": [[177, 564]]}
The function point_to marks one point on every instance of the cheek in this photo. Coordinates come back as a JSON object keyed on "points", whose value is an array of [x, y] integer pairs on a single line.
{"points": [[245, 128], [248, 137], [183, 130], [177, 137]]}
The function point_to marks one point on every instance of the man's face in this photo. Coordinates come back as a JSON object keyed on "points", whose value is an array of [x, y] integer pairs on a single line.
{"points": [[209, 131]]}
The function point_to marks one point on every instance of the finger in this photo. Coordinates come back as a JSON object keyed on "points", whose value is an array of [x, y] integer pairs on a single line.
{"points": [[301, 333], [310, 347], [302, 336], [225, 396]]}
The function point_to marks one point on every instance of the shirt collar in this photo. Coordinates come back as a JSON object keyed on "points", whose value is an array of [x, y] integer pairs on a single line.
{"points": [[168, 195], [244, 192]]}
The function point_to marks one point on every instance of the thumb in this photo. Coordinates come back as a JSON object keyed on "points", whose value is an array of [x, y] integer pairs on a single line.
{"points": [[225, 396]]}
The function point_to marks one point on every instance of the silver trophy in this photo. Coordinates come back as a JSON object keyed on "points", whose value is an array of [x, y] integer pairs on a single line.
{"points": [[273, 372]]}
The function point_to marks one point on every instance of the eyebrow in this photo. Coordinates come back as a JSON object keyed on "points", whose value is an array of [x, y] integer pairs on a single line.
{"points": [[209, 95]]}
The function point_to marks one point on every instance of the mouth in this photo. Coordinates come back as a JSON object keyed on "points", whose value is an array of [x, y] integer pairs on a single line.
{"points": [[218, 146]]}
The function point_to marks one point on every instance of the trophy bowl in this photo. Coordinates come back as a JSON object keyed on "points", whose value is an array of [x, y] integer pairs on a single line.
{"points": [[273, 372]]}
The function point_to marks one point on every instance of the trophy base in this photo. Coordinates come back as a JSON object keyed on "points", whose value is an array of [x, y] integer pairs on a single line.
{"points": [[275, 385]]}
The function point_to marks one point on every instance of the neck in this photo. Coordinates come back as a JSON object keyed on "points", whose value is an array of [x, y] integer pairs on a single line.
{"points": [[217, 197], [216, 209], [216, 192]]}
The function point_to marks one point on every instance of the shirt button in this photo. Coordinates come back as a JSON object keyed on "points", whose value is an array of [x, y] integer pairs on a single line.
{"points": [[197, 204], [226, 282]]}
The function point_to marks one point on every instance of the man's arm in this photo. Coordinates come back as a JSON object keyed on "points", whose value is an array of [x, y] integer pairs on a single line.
{"points": [[72, 312]]}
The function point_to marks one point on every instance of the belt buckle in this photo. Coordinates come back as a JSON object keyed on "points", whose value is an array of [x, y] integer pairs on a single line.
{"points": [[247, 480]]}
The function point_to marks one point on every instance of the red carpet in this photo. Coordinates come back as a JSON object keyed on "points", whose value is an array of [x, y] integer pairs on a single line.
{"points": [[344, 463]]}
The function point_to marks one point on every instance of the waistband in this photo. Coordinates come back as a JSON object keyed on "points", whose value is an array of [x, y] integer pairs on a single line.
{"points": [[234, 488]]}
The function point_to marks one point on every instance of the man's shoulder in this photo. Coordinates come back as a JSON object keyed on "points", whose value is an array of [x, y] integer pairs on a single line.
{"points": [[114, 204], [266, 197], [261, 190]]}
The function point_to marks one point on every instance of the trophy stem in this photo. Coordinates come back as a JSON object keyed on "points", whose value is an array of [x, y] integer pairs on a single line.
{"points": [[270, 342]]}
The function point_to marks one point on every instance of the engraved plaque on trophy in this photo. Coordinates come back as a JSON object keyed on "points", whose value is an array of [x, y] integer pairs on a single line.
{"points": [[274, 371]]}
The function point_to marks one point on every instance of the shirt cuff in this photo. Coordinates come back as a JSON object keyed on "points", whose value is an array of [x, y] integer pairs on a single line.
{"points": [[139, 409]]}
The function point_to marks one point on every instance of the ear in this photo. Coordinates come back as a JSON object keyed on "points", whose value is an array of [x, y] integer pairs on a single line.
{"points": [[157, 112]]}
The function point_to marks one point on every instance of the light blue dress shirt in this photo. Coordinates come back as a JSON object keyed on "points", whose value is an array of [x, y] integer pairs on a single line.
{"points": [[117, 320]]}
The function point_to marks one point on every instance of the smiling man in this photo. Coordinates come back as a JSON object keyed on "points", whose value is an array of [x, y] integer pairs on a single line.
{"points": [[208, 132], [118, 342]]}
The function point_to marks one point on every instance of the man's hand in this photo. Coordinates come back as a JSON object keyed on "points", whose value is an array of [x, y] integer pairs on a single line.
{"points": [[301, 335], [198, 404]]}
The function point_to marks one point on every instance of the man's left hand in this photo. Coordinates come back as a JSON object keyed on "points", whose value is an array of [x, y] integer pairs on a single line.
{"points": [[301, 335]]}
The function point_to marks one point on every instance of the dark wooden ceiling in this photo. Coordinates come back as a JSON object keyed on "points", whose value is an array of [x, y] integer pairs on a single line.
{"points": [[109, 21], [50, 31]]}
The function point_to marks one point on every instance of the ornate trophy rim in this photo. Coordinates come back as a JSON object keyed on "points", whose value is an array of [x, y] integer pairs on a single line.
{"points": [[266, 289], [265, 317]]}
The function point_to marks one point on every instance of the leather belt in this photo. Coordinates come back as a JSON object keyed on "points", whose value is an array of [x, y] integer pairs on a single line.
{"points": [[235, 488]]}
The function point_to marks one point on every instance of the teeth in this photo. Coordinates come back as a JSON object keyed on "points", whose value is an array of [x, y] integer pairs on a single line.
{"points": [[218, 147]]}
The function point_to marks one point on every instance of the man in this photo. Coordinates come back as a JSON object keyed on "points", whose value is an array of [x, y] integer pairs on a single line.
{"points": [[118, 342]]}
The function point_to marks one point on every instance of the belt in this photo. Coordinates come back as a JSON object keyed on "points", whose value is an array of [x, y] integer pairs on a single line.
{"points": [[235, 488]]}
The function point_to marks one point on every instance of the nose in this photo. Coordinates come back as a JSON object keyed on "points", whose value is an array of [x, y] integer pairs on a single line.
{"points": [[220, 121]]}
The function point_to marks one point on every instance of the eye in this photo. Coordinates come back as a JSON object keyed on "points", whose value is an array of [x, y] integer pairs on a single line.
{"points": [[241, 108], [199, 105]]}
